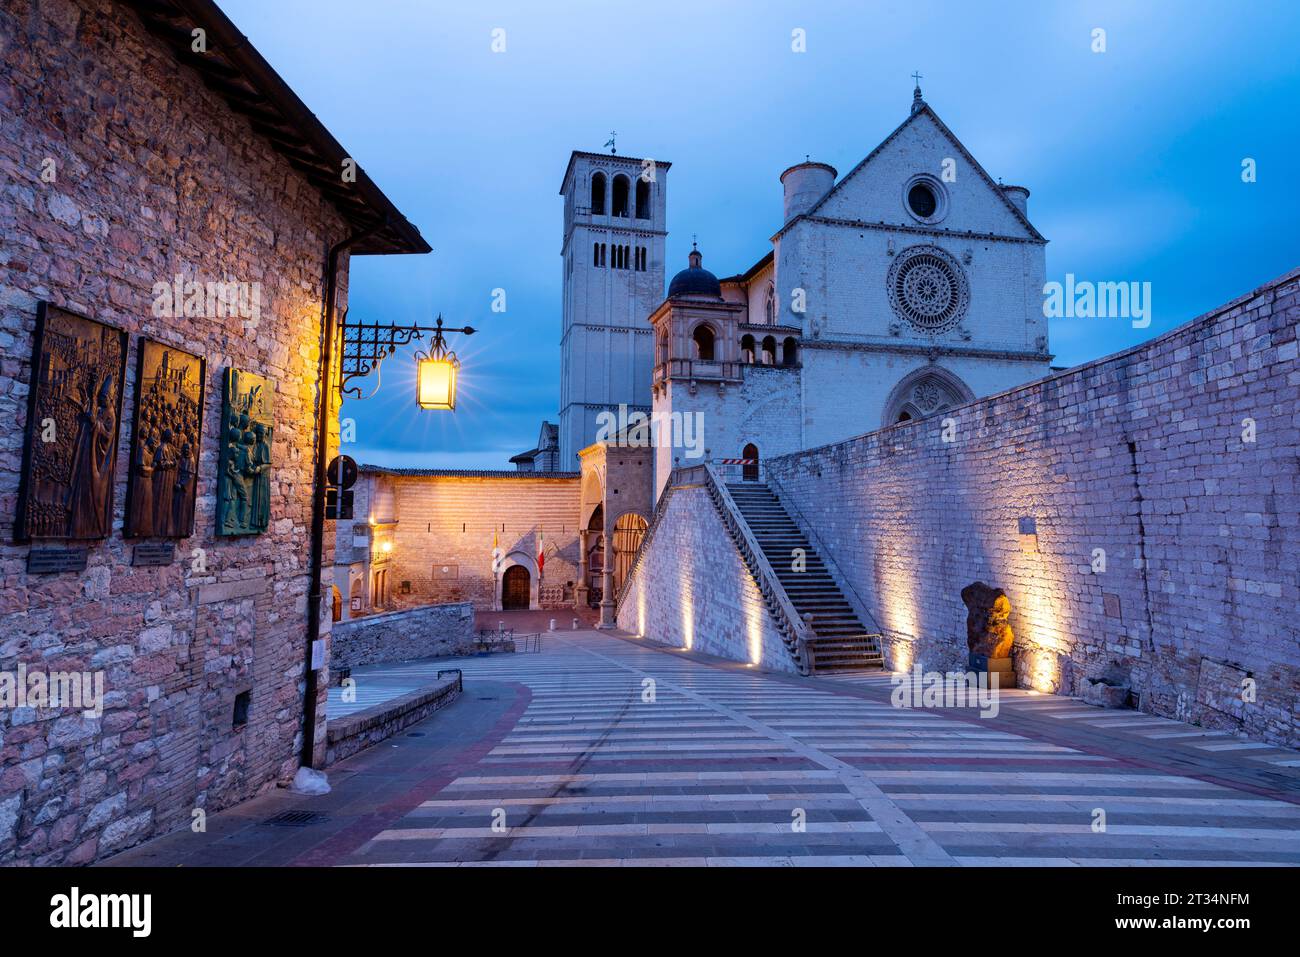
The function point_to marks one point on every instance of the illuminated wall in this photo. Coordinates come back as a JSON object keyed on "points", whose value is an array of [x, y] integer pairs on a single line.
{"points": [[693, 590], [1162, 488]]}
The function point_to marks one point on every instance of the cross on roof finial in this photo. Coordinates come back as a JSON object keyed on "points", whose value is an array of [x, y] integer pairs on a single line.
{"points": [[693, 242], [917, 77], [610, 142]]}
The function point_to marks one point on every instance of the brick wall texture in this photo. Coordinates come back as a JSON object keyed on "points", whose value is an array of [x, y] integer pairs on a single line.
{"points": [[440, 528], [155, 176], [1177, 459]]}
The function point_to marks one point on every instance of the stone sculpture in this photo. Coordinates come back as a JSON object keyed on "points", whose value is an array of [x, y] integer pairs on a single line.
{"points": [[988, 636]]}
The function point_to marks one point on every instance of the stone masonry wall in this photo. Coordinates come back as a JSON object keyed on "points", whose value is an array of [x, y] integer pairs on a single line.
{"points": [[1174, 464], [430, 632], [442, 536], [692, 588], [154, 176]]}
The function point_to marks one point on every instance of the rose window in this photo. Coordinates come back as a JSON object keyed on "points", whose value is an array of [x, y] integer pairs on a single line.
{"points": [[928, 289]]}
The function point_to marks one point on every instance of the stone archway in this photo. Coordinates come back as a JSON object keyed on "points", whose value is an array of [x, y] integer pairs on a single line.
{"points": [[516, 588], [629, 530], [924, 392]]}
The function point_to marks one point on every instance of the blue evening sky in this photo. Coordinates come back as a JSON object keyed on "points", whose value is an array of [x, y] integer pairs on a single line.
{"points": [[1133, 156]]}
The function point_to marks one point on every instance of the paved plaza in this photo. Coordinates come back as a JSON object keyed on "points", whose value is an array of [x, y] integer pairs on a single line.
{"points": [[602, 749]]}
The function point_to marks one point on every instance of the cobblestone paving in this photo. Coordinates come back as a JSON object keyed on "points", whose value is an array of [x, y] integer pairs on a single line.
{"points": [[725, 766]]}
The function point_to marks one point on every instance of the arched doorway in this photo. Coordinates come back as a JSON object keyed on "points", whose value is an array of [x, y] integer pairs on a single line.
{"points": [[515, 588], [338, 602], [595, 555], [750, 472], [628, 532]]}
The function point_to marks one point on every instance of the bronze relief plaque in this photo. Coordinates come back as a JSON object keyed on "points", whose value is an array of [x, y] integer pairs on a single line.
{"points": [[244, 480], [74, 410], [162, 478]]}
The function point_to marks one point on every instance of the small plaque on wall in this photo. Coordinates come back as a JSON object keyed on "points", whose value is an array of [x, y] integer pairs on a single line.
{"points": [[51, 561], [149, 554], [1110, 605], [446, 572]]}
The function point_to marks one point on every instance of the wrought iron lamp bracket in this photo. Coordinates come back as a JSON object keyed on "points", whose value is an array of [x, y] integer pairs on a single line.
{"points": [[367, 344]]}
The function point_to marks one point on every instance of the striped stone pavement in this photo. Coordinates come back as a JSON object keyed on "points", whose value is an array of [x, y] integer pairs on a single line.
{"points": [[627, 754], [1141, 725]]}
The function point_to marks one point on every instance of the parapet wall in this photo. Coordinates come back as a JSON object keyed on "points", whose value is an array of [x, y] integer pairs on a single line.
{"points": [[430, 632], [1140, 511], [691, 588]]}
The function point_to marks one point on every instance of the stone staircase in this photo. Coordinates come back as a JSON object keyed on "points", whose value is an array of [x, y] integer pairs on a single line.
{"points": [[837, 639]]}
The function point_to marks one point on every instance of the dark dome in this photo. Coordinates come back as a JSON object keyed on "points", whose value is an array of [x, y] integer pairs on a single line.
{"points": [[695, 280]]}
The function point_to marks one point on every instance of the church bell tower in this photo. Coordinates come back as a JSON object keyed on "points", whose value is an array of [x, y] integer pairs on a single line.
{"points": [[613, 260]]}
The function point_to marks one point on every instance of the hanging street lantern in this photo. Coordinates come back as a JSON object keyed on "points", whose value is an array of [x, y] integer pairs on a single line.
{"points": [[366, 345], [436, 375]]}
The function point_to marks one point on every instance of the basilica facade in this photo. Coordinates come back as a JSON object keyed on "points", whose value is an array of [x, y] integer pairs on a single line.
{"points": [[906, 287], [909, 286]]}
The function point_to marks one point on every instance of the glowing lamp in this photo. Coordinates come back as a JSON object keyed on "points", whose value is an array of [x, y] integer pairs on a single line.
{"points": [[436, 381]]}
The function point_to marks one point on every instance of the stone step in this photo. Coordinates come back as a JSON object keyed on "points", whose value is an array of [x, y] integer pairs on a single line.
{"points": [[840, 642]]}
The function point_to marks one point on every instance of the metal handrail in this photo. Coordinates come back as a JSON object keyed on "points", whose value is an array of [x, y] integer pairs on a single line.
{"points": [[797, 631], [823, 550]]}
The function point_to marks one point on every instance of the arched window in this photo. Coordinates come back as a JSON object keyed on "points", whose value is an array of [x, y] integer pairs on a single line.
{"points": [[769, 310], [749, 471], [769, 351], [789, 351], [595, 254], [598, 194], [703, 338], [621, 187], [642, 199], [602, 254], [747, 349]]}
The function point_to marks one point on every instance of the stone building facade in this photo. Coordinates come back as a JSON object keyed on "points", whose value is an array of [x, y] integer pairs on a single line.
{"points": [[910, 286], [124, 165], [428, 536], [1142, 513]]}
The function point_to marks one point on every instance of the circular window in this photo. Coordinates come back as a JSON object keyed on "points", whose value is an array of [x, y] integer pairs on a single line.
{"points": [[921, 201], [928, 288], [925, 199]]}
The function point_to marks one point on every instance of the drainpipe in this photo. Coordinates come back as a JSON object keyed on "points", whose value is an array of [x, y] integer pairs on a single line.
{"points": [[319, 483]]}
